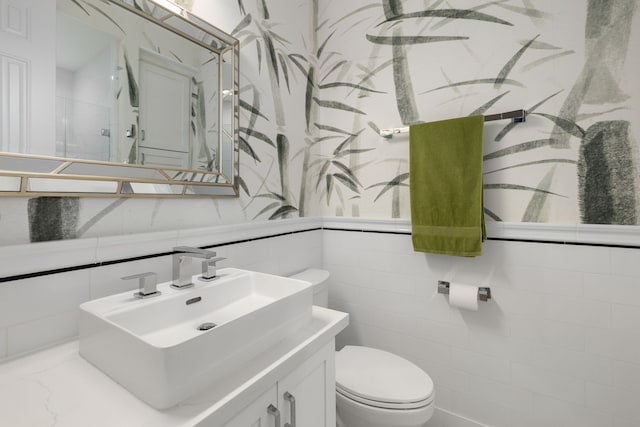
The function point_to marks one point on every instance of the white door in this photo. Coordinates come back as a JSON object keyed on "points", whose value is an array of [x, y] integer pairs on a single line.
{"points": [[164, 158], [27, 76], [165, 104], [306, 397]]}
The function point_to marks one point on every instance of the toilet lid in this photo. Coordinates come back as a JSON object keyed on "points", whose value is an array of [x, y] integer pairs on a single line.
{"points": [[381, 377]]}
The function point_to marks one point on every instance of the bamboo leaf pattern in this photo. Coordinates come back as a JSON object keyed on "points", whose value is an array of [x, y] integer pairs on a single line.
{"points": [[518, 148], [285, 71], [77, 3], [271, 55], [259, 54], [264, 9], [346, 142], [346, 181], [296, 61], [323, 172], [242, 184], [267, 208], [518, 187], [491, 214], [333, 129], [246, 147], [271, 195], [526, 11], [347, 172], [334, 68], [409, 40], [252, 109], [259, 135], [566, 125], [337, 106], [134, 99], [395, 182], [502, 75], [246, 21], [448, 13], [546, 59], [344, 153], [475, 82], [283, 212], [351, 85], [484, 107], [323, 45], [512, 125], [536, 205], [329, 181], [537, 162], [104, 14], [310, 89], [282, 147]]}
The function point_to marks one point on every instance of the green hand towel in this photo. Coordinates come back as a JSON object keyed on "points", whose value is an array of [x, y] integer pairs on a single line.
{"points": [[445, 168]]}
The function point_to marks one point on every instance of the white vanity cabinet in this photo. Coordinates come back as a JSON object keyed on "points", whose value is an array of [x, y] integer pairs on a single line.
{"points": [[304, 397], [257, 414], [301, 365]]}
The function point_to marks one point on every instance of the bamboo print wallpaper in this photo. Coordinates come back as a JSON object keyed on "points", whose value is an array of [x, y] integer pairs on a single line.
{"points": [[320, 78], [567, 64]]}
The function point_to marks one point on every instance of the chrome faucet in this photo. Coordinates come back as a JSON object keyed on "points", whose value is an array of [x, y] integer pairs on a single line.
{"points": [[181, 263], [147, 284], [210, 269]]}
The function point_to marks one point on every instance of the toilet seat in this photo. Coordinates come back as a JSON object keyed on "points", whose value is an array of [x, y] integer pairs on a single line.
{"points": [[381, 379], [384, 405]]}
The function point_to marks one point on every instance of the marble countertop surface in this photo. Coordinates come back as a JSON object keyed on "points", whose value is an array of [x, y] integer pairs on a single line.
{"points": [[57, 387]]}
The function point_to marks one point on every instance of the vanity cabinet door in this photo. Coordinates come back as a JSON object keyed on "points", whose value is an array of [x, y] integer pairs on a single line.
{"points": [[306, 397], [258, 413]]}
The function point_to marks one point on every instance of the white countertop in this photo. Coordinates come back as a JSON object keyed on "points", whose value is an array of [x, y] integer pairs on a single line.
{"points": [[57, 387]]}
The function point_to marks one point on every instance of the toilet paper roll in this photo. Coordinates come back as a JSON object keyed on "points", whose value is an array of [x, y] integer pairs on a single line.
{"points": [[463, 296]]}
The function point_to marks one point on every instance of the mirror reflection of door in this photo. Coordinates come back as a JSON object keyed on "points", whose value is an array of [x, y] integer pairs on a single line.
{"points": [[165, 101], [27, 77]]}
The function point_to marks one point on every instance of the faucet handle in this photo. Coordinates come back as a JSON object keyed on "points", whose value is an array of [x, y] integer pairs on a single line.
{"points": [[147, 284], [209, 268], [203, 253]]}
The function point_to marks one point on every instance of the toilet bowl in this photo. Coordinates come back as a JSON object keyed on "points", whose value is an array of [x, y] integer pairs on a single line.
{"points": [[374, 388]]}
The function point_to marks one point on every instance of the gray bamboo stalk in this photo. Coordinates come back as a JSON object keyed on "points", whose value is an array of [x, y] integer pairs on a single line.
{"points": [[283, 143], [305, 182], [405, 97], [607, 31]]}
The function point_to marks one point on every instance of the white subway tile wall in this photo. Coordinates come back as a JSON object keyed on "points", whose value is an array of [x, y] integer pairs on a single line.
{"points": [[557, 346]]}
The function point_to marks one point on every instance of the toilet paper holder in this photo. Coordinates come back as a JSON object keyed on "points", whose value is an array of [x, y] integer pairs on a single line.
{"points": [[484, 293]]}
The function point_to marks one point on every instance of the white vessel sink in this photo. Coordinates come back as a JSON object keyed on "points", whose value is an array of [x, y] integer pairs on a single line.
{"points": [[154, 349]]}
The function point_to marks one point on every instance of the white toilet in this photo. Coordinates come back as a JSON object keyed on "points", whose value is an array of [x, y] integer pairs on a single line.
{"points": [[374, 388]]}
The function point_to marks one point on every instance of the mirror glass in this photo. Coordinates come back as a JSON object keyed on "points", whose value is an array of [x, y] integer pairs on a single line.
{"points": [[145, 103]]}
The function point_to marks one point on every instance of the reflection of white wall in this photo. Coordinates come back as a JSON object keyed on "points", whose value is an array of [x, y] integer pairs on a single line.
{"points": [[64, 83], [83, 108], [92, 81]]}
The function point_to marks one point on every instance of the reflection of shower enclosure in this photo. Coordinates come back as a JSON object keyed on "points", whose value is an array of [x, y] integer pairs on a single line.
{"points": [[82, 130], [86, 84]]}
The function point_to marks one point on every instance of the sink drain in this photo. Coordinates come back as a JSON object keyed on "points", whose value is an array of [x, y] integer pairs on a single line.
{"points": [[206, 326]]}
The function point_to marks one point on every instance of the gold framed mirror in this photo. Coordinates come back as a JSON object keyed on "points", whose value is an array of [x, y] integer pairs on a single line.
{"points": [[116, 98]]}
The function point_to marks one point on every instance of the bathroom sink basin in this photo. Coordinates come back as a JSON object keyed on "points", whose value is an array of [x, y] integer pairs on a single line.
{"points": [[167, 348]]}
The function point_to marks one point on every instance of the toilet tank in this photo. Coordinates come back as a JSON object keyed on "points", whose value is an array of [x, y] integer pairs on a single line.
{"points": [[320, 281]]}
